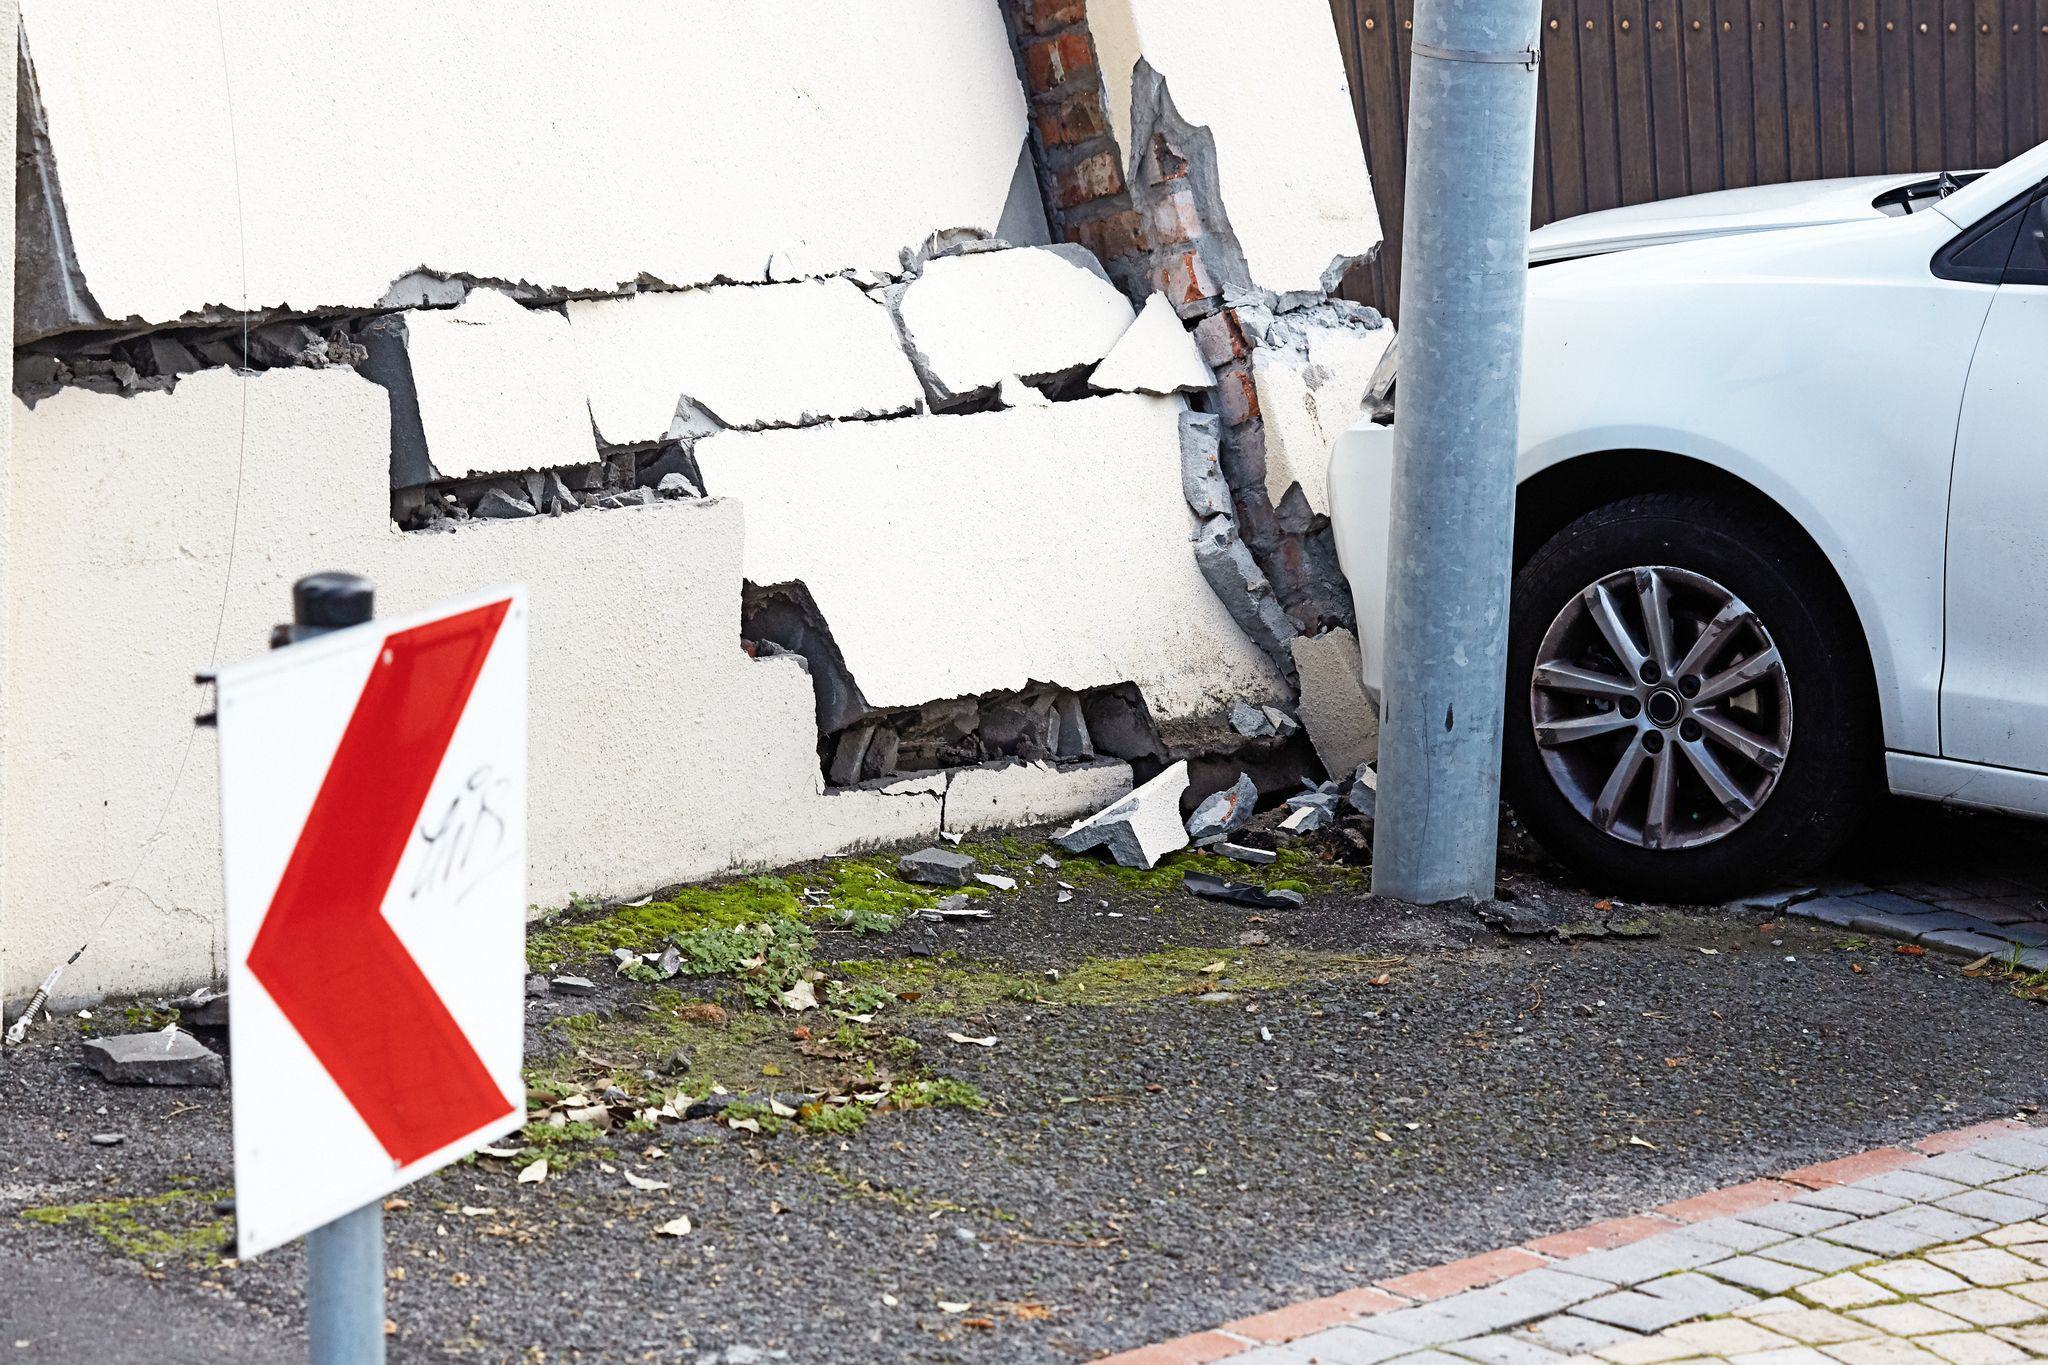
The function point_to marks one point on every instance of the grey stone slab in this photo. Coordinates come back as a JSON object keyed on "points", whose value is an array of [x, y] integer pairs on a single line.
{"points": [[1892, 924], [1963, 943], [1755, 1272], [2026, 1150], [2031, 959], [165, 1057], [1894, 903], [1852, 1200], [1966, 1168], [1912, 1184], [1998, 1207], [1347, 1346], [1523, 1298], [1950, 1227], [1703, 1295], [1644, 1260], [1636, 1311], [1778, 900], [1575, 1336], [1418, 1358], [1504, 1349], [2026, 933], [1830, 910], [1796, 1218], [1431, 1324], [1811, 1253], [1905, 1231], [1273, 1355], [2025, 1187], [1737, 1235]]}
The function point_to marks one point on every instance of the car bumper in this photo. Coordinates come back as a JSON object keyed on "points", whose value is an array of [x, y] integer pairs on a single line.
{"points": [[1361, 513]]}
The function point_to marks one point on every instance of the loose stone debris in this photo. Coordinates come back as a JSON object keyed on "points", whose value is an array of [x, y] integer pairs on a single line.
{"points": [[1237, 893], [168, 1056], [1224, 813], [1140, 829], [1539, 919], [937, 867], [1262, 722]]}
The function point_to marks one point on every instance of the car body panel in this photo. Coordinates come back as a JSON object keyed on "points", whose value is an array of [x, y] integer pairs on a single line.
{"points": [[1778, 359], [1761, 208]]}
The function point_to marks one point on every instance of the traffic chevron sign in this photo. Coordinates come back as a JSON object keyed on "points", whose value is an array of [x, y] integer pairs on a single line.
{"points": [[373, 816]]}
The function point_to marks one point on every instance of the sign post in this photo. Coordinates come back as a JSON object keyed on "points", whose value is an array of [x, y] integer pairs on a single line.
{"points": [[373, 814]]}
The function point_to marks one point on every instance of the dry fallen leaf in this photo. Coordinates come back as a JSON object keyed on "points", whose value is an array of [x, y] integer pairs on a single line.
{"points": [[981, 1324], [535, 1173], [1856, 967], [800, 997], [1642, 1142], [1216, 968], [1910, 950], [675, 1227], [1031, 1312], [469, 1211], [966, 1041], [945, 1307], [641, 1182], [497, 1151], [1383, 979]]}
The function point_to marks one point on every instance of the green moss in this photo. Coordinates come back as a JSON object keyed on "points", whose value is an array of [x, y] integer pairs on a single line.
{"points": [[177, 1225], [938, 1094], [945, 985], [841, 1121]]}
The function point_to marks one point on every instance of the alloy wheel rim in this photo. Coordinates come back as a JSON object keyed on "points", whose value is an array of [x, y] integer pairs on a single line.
{"points": [[1662, 708]]}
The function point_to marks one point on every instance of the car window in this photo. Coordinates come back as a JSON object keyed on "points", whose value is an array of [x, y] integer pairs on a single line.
{"points": [[2028, 263]]}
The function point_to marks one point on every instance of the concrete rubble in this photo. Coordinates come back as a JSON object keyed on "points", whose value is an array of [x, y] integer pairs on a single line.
{"points": [[1140, 829], [1156, 356], [168, 1056], [1341, 720], [1224, 813]]}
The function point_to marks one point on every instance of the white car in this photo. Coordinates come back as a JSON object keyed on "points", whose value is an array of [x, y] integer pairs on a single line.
{"points": [[1781, 527]]}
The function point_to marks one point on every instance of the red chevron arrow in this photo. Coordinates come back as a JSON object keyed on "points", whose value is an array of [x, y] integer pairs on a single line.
{"points": [[325, 953]]}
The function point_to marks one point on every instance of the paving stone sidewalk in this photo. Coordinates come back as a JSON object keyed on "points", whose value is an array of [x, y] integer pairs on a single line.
{"points": [[2000, 920], [1891, 1257]]}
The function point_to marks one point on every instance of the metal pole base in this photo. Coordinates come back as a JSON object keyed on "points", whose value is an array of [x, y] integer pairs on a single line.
{"points": [[345, 1289]]}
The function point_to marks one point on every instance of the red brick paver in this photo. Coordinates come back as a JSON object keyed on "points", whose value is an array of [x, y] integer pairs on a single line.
{"points": [[1958, 1138], [1615, 1232], [1729, 1202], [1850, 1169], [1198, 1349], [1471, 1273]]}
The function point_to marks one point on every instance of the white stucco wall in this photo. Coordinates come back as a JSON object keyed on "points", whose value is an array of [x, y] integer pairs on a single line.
{"points": [[1268, 81], [548, 142], [661, 751], [960, 555]]}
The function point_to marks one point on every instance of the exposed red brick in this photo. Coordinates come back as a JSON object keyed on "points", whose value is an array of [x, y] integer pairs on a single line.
{"points": [[1615, 1232], [1729, 1202], [1850, 1169], [1072, 120], [1095, 177], [1052, 62], [1185, 281], [1237, 399], [1459, 1276], [1175, 219], [1198, 1349], [1956, 1139], [1043, 16], [1295, 1320], [1222, 339], [1163, 161], [1112, 237]]}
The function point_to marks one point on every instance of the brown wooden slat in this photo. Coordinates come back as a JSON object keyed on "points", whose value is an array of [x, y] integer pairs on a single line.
{"points": [[1802, 94], [1866, 88], [1958, 37], [1738, 115], [1597, 109], [1633, 121], [1930, 150], [1561, 110], [1668, 107], [1767, 91], [1702, 95], [1987, 101]]}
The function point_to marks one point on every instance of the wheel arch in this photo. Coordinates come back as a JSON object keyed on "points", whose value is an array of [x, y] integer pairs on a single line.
{"points": [[1556, 495]]}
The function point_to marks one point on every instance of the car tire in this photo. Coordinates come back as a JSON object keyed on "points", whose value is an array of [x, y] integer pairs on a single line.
{"points": [[1679, 789]]}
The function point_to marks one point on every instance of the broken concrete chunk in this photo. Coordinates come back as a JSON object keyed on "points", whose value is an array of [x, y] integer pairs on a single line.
{"points": [[1239, 893], [1201, 464], [936, 867], [499, 505], [1307, 820], [1140, 829], [573, 985], [1035, 313], [1257, 857], [1243, 588], [1252, 721], [740, 356], [204, 1008], [1341, 722], [1226, 812], [850, 756], [1311, 385], [166, 1057], [499, 387], [677, 486], [1156, 356]]}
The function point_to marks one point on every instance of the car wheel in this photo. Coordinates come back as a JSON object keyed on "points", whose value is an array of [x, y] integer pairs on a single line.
{"points": [[1689, 711]]}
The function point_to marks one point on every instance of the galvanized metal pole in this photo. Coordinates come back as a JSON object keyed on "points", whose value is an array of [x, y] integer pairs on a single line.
{"points": [[345, 1289], [1471, 149], [345, 1259]]}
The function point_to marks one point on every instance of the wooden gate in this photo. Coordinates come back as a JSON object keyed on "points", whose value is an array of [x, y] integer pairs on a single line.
{"points": [[1647, 99]]}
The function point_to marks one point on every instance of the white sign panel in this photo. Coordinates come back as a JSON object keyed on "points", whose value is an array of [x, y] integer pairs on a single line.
{"points": [[373, 813]]}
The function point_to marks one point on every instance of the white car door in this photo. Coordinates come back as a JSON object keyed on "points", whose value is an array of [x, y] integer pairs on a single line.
{"points": [[1994, 694]]}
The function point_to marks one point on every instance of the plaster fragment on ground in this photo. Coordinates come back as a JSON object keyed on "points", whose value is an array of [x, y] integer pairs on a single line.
{"points": [[1140, 829], [1341, 720], [498, 387], [1038, 313], [778, 355], [1156, 356]]}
